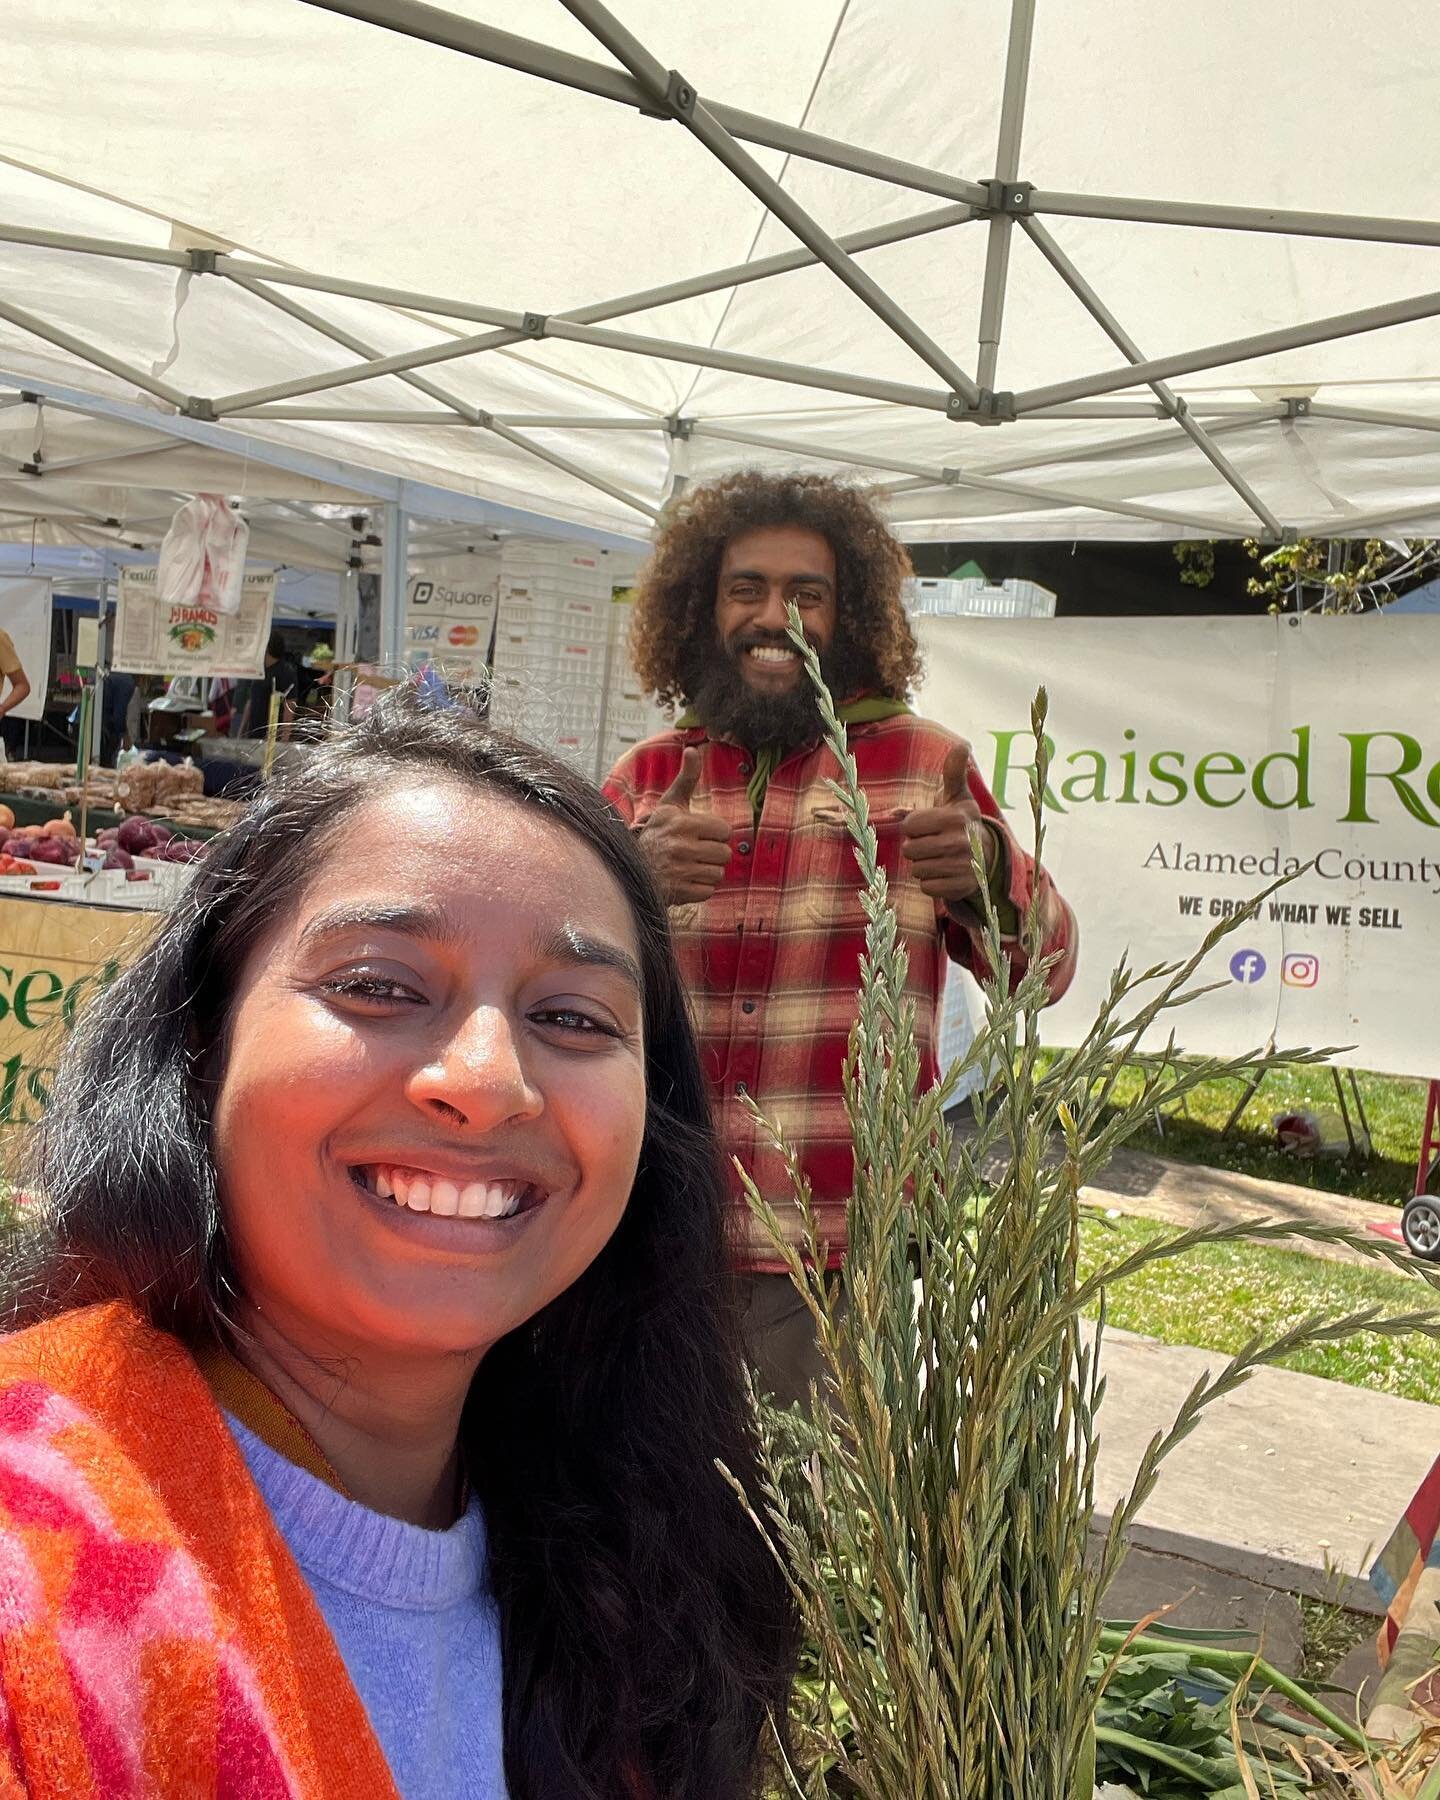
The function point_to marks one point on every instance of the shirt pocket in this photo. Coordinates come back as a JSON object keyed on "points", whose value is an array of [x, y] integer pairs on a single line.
{"points": [[834, 881]]}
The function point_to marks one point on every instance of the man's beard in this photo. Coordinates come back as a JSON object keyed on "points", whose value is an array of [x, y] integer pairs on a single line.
{"points": [[728, 707]]}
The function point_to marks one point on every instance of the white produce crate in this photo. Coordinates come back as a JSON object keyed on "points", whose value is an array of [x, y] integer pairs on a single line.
{"points": [[962, 1013], [975, 599]]}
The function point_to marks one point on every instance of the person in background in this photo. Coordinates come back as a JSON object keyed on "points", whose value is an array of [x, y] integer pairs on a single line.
{"points": [[733, 811], [220, 698], [360, 1436], [14, 682], [252, 703], [116, 708]]}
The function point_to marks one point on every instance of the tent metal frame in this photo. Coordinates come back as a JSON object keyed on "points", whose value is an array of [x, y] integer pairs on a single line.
{"points": [[638, 79]]}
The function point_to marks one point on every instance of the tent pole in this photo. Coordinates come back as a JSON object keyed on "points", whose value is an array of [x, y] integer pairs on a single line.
{"points": [[347, 617], [1352, 524], [800, 374], [100, 359], [433, 26], [394, 573], [1007, 169], [94, 246], [678, 98], [785, 262], [109, 456], [564, 464], [1126, 345], [338, 335], [1049, 496], [464, 409], [1361, 226], [1363, 415], [1139, 443], [690, 288], [1214, 356], [736, 362], [358, 415], [340, 415], [820, 453]]}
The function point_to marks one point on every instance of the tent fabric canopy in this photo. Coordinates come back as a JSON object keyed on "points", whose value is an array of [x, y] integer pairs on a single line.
{"points": [[213, 218]]}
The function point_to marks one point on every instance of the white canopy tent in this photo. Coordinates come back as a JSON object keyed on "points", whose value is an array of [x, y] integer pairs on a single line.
{"points": [[1132, 269]]}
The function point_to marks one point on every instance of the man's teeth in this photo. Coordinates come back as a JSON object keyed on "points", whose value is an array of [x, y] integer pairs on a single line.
{"points": [[449, 1199], [768, 653]]}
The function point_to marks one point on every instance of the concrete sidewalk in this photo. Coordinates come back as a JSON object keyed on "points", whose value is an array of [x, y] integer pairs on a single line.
{"points": [[1275, 1477], [1183, 1193]]}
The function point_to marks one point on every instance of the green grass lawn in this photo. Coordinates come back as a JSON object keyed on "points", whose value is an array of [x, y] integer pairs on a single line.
{"points": [[1394, 1107], [1217, 1296]]}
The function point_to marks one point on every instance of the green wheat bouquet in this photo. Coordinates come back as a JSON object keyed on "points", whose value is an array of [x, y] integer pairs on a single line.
{"points": [[934, 1510]]}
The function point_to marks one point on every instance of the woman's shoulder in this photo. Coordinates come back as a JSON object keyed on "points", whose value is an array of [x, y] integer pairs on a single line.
{"points": [[137, 1561], [86, 1360], [62, 1343]]}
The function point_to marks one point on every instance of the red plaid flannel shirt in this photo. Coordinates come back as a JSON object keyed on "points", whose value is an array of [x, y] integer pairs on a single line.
{"points": [[772, 958]]}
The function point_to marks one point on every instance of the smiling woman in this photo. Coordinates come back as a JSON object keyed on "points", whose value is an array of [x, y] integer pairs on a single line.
{"points": [[375, 1357]]}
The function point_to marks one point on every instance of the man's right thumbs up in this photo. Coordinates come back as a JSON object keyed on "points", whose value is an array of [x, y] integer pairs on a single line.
{"points": [[687, 850], [682, 789]]}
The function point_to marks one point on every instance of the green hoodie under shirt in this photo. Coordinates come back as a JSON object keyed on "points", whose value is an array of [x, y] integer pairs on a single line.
{"points": [[863, 711]]}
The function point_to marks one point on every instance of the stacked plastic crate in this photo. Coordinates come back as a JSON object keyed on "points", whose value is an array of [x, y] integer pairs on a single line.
{"points": [[974, 599], [630, 714], [551, 637]]}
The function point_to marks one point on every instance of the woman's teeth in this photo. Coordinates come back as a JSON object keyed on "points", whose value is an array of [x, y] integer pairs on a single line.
{"points": [[450, 1199]]}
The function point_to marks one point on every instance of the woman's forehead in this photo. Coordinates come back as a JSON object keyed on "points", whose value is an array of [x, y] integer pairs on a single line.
{"points": [[467, 850]]}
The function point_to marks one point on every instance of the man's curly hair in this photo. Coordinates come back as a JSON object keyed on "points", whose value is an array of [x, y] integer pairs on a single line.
{"points": [[675, 595]]}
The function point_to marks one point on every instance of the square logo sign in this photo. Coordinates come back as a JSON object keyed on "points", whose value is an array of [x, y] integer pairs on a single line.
{"points": [[1300, 969], [424, 593]]}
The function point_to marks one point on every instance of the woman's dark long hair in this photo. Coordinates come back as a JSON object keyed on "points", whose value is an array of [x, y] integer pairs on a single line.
{"points": [[647, 1630]]}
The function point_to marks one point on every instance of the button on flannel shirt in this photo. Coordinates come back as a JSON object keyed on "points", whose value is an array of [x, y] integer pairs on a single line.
{"points": [[772, 958]]}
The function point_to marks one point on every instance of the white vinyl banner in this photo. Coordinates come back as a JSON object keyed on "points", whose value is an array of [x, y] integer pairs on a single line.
{"points": [[450, 617], [25, 615], [1195, 761], [155, 637]]}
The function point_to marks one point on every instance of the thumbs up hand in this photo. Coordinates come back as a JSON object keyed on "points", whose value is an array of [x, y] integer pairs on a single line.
{"points": [[936, 839], [687, 850]]}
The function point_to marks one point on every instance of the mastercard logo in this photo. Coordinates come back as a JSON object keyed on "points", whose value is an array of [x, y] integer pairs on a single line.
{"points": [[462, 636]]}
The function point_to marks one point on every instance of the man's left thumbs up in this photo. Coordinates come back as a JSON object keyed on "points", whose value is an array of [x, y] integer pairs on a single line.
{"points": [[936, 840]]}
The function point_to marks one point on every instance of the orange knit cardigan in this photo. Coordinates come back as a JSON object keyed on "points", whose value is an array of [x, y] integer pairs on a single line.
{"points": [[156, 1637]]}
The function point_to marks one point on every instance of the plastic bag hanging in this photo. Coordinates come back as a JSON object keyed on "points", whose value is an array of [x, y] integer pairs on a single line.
{"points": [[202, 560]]}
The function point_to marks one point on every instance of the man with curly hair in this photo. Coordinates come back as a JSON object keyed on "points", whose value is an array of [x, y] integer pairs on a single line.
{"points": [[733, 811]]}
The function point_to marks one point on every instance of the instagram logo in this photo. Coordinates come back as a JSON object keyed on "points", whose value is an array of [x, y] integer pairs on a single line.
{"points": [[1300, 969]]}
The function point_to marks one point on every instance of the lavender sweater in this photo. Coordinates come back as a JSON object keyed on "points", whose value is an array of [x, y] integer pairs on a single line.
{"points": [[412, 1615]]}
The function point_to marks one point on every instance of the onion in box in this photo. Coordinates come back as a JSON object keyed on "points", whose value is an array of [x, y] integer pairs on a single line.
{"points": [[116, 858], [135, 836]]}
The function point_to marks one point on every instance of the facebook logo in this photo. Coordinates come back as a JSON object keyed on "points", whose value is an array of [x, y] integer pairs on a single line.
{"points": [[1247, 966]]}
